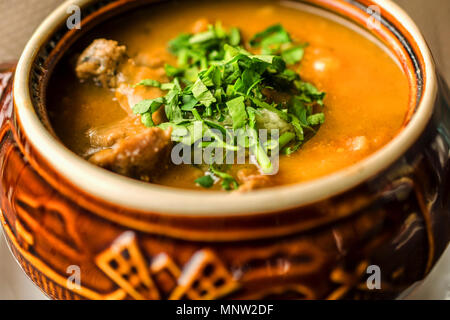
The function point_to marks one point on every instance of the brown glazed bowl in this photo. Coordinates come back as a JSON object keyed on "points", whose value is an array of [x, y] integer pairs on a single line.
{"points": [[64, 217]]}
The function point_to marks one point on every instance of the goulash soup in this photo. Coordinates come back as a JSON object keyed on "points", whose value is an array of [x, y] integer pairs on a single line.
{"points": [[226, 95]]}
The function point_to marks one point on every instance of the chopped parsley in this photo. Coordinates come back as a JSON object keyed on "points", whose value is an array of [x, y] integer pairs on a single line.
{"points": [[221, 83], [205, 181]]}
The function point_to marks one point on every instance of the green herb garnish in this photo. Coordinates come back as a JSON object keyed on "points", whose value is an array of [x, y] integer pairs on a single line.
{"points": [[220, 86], [205, 181], [276, 40]]}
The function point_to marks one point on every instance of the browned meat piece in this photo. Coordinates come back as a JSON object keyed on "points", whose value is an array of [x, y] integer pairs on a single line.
{"points": [[100, 61], [251, 180], [131, 148], [107, 136], [127, 96], [142, 155], [200, 25], [132, 72], [157, 58]]}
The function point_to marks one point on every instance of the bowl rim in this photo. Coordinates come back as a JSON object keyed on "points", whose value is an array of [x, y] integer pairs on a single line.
{"points": [[136, 195]]}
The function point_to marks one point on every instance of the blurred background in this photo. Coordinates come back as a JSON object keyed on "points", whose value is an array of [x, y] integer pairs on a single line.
{"points": [[18, 20]]}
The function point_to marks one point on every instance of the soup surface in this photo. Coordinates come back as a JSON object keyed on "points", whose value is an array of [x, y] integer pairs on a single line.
{"points": [[366, 91]]}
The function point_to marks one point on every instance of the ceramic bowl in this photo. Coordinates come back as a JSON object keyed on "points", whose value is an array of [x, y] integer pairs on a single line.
{"points": [[66, 220]]}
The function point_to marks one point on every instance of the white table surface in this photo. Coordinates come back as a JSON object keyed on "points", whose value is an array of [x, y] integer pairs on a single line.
{"points": [[14, 284]]}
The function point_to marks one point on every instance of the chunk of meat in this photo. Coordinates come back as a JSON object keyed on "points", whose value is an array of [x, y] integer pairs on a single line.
{"points": [[321, 62], [127, 146], [251, 179], [132, 72], [200, 25], [157, 58], [141, 156], [100, 61], [128, 96], [106, 136], [104, 61]]}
